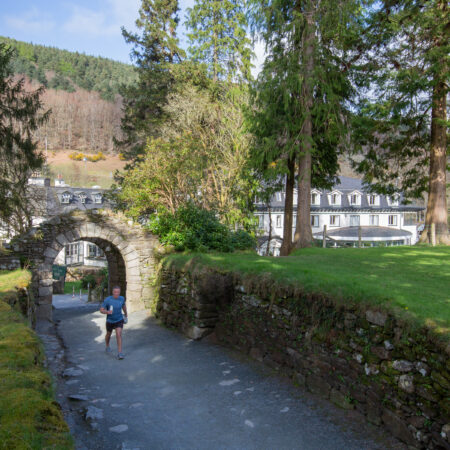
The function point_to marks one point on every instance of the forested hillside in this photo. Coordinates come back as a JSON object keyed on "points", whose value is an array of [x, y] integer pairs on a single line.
{"points": [[82, 93], [61, 69]]}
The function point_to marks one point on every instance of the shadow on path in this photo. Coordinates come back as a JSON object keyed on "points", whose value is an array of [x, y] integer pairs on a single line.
{"points": [[174, 393]]}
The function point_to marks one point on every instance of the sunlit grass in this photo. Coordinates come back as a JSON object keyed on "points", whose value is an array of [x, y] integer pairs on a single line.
{"points": [[29, 416], [413, 281]]}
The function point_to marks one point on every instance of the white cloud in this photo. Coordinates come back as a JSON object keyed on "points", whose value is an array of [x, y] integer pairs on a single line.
{"points": [[32, 21], [104, 22]]}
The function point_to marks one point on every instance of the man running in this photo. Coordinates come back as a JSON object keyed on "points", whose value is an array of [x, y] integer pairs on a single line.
{"points": [[112, 306]]}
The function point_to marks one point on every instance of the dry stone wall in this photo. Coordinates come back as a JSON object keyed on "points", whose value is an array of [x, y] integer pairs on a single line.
{"points": [[365, 360]]}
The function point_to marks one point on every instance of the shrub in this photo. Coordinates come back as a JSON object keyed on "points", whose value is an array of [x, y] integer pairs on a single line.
{"points": [[76, 156], [197, 229], [88, 279]]}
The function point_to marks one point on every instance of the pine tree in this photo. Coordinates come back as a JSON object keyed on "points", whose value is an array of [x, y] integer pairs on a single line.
{"points": [[402, 120], [218, 38], [20, 116], [301, 93], [155, 50]]}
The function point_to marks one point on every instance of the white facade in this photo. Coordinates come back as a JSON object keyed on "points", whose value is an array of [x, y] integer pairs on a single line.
{"points": [[81, 253], [346, 206]]}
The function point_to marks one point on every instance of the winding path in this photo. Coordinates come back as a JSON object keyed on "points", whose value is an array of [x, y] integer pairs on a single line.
{"points": [[173, 393]]}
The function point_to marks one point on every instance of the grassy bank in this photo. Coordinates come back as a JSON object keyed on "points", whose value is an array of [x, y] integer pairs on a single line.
{"points": [[414, 282], [29, 416]]}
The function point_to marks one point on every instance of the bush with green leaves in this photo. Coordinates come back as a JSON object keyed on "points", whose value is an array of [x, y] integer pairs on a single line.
{"points": [[197, 229]]}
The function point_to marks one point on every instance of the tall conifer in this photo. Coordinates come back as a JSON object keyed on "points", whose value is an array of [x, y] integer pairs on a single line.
{"points": [[155, 50], [218, 37], [402, 121], [301, 94]]}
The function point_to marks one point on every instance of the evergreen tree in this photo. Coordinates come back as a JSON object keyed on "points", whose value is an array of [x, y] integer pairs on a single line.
{"points": [[19, 117], [402, 121], [218, 38], [155, 51], [300, 96]]}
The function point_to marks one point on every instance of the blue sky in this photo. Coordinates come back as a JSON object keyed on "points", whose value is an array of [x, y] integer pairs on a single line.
{"points": [[89, 26]]}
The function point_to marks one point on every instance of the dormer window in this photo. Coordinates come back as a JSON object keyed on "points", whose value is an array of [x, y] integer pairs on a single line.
{"points": [[394, 200], [82, 197], [372, 199], [315, 198], [355, 198], [65, 198], [98, 198], [335, 198]]}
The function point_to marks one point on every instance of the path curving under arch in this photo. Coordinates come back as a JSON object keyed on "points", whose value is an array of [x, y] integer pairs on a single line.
{"points": [[129, 250]]}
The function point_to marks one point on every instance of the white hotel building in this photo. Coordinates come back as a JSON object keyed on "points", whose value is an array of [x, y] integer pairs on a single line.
{"points": [[348, 212]]}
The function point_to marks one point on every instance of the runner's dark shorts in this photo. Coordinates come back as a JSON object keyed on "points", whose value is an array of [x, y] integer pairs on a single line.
{"points": [[112, 326]]}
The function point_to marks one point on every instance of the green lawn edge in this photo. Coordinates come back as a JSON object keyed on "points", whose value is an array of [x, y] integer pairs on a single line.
{"points": [[29, 414], [412, 283]]}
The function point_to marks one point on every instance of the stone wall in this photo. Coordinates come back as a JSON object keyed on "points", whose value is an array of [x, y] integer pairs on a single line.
{"points": [[363, 359], [9, 262]]}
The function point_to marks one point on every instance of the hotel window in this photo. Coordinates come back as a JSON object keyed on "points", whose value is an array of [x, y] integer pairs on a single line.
{"points": [[65, 198], [394, 200], [335, 199], [278, 221], [353, 199], [374, 220], [354, 221], [372, 200], [392, 220], [261, 222], [314, 221], [335, 221]]}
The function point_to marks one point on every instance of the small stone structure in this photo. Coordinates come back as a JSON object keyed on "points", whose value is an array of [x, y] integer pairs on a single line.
{"points": [[360, 359], [128, 248]]}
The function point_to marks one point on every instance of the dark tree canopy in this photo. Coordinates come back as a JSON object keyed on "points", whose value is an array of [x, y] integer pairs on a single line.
{"points": [[20, 115]]}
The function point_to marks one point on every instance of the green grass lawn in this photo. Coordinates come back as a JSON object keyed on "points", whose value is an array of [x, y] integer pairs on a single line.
{"points": [[412, 281], [29, 416], [69, 285]]}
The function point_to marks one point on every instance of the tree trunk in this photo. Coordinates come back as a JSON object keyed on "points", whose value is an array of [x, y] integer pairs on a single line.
{"points": [[269, 209], [437, 195], [303, 233], [288, 209]]}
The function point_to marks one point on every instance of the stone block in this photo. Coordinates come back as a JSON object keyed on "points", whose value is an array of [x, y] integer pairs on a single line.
{"points": [[339, 399], [402, 365], [376, 317], [46, 282], [62, 239], [44, 312], [398, 427], [50, 253], [45, 290], [317, 385], [406, 383], [197, 333]]}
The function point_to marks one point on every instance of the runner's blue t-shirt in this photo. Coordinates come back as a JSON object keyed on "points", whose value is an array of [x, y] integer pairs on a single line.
{"points": [[117, 304]]}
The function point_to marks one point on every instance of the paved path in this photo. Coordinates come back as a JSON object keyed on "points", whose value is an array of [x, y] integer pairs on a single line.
{"points": [[173, 393]]}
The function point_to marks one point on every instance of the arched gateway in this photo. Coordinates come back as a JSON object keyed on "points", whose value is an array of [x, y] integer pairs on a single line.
{"points": [[128, 248]]}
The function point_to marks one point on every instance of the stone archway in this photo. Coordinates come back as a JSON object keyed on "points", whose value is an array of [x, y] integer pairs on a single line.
{"points": [[128, 248]]}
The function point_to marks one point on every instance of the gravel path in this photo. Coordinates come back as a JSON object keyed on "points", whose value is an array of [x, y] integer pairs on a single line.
{"points": [[172, 393]]}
